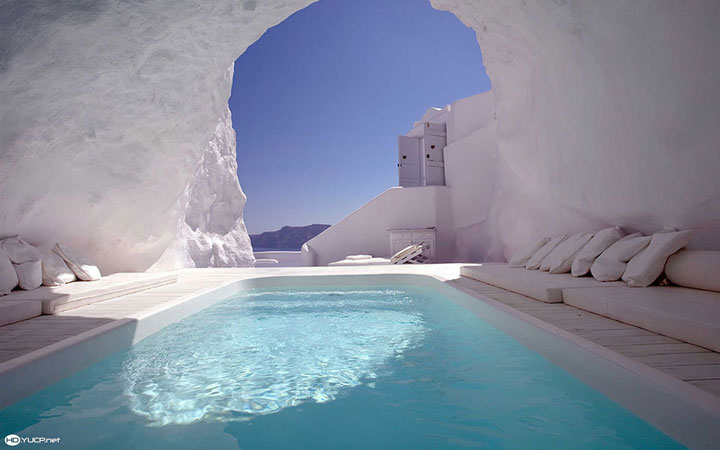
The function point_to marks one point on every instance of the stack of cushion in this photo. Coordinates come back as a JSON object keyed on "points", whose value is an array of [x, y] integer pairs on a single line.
{"points": [[25, 261], [27, 267], [608, 255]]}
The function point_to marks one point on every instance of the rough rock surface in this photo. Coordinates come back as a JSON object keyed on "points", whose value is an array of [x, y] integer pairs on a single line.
{"points": [[114, 121], [608, 112], [210, 231]]}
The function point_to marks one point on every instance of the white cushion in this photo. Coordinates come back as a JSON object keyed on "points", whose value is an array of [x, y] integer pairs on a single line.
{"points": [[358, 257], [562, 257], [29, 275], [54, 270], [699, 269], [542, 286], [610, 265], [537, 258], [74, 295], [545, 263], [646, 266], [26, 262], [8, 276], [521, 257], [83, 268], [12, 311], [19, 251], [598, 244], [691, 315], [361, 262]]}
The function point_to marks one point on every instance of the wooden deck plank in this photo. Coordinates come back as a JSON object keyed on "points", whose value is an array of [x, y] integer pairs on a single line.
{"points": [[655, 349], [540, 308], [694, 372], [562, 314], [707, 385], [592, 334], [680, 359], [589, 324], [630, 340]]}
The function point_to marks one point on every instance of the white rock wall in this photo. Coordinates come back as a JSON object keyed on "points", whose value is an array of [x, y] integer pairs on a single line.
{"points": [[210, 231], [114, 123], [113, 114], [608, 112]]}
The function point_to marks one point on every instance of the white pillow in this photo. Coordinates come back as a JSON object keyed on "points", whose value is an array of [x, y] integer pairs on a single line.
{"points": [[358, 257], [19, 251], [561, 259], [537, 258], [610, 265], [646, 266], [8, 276], [699, 269], [521, 257], [26, 261], [83, 268], [546, 262], [598, 244], [54, 270], [29, 275]]}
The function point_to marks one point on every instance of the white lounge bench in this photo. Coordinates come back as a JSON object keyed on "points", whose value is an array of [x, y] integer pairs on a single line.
{"points": [[410, 254], [542, 286], [691, 315], [16, 310], [362, 262], [22, 305]]}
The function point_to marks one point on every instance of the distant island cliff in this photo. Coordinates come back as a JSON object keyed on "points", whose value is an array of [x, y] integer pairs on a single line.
{"points": [[286, 238]]}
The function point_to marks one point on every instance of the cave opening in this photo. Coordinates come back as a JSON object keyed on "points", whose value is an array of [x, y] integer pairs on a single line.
{"points": [[318, 101]]}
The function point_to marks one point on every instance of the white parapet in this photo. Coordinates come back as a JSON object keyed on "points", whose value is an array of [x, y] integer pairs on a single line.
{"points": [[281, 258], [366, 230]]}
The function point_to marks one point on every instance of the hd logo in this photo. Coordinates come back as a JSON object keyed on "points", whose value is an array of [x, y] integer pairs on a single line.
{"points": [[13, 439]]}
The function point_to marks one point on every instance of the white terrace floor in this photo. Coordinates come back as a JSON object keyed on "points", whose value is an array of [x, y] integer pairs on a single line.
{"points": [[695, 365]]}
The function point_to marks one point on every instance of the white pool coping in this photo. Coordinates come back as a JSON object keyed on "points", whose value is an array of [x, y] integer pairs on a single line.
{"points": [[679, 409]]}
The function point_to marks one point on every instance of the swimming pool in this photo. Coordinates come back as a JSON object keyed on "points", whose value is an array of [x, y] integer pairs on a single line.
{"points": [[337, 366]]}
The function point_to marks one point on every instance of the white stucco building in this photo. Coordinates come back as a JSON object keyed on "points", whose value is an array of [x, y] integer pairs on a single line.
{"points": [[455, 210]]}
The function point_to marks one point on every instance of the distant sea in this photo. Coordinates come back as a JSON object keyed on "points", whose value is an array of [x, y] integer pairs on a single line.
{"points": [[260, 249]]}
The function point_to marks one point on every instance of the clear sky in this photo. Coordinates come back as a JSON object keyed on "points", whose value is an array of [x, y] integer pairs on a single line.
{"points": [[318, 101]]}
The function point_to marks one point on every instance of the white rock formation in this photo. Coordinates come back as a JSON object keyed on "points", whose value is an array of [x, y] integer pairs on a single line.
{"points": [[210, 231], [608, 113], [114, 122], [114, 126]]}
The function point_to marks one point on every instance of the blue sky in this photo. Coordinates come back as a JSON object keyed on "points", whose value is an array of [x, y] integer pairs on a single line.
{"points": [[318, 101]]}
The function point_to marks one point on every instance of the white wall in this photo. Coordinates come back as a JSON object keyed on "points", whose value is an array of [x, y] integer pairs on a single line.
{"points": [[365, 231], [454, 209], [470, 170], [608, 112]]}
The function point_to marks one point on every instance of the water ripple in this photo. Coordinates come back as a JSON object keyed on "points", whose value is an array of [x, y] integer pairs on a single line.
{"points": [[262, 352]]}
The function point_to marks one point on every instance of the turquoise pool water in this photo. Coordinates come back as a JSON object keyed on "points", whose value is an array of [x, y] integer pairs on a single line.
{"points": [[334, 368]]}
